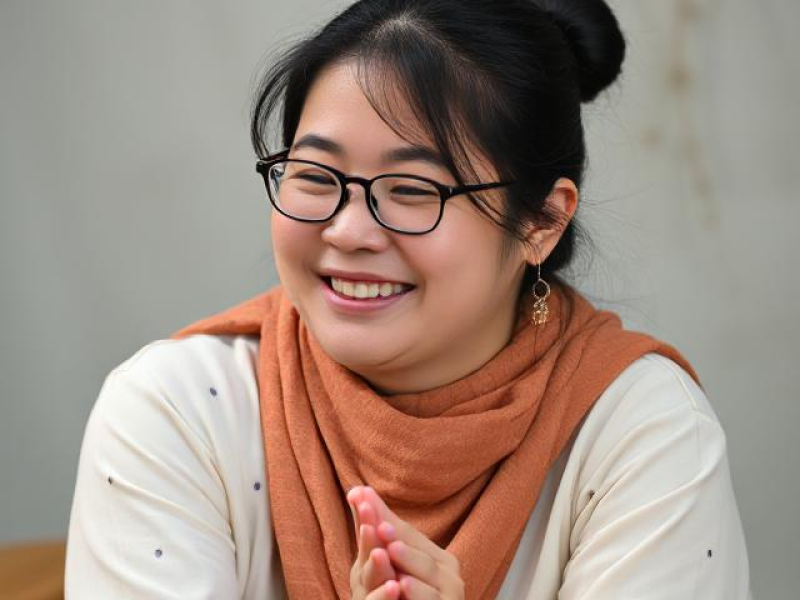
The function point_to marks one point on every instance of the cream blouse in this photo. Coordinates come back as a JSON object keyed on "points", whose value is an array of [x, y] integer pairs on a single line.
{"points": [[171, 500]]}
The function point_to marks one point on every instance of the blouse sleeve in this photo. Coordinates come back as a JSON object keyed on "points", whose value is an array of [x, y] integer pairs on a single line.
{"points": [[149, 515], [662, 521]]}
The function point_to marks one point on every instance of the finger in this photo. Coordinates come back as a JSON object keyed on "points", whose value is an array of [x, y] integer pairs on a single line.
{"points": [[422, 566], [378, 569], [388, 591], [414, 589], [364, 512], [367, 514], [356, 524], [386, 532], [377, 566], [368, 541], [406, 532], [353, 498], [364, 547]]}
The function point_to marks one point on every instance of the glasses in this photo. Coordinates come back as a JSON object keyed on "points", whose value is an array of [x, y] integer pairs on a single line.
{"points": [[308, 191]]}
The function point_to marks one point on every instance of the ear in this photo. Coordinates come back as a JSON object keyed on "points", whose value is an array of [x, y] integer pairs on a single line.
{"points": [[563, 199]]}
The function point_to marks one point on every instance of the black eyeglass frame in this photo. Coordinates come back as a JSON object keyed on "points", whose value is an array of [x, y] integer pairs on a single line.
{"points": [[445, 191]]}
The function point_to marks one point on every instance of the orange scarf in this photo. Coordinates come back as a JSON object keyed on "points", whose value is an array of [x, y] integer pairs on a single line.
{"points": [[463, 463]]}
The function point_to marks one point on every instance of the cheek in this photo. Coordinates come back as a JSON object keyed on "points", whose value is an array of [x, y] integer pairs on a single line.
{"points": [[280, 238], [462, 256], [291, 242], [295, 250]]}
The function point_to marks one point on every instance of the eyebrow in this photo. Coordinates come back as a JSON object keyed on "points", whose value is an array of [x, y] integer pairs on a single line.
{"points": [[403, 154]]}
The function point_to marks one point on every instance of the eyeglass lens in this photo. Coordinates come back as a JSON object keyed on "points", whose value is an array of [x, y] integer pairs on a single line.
{"points": [[311, 192]]}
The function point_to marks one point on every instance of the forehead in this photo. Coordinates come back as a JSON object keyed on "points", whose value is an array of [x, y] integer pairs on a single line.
{"points": [[337, 107]]}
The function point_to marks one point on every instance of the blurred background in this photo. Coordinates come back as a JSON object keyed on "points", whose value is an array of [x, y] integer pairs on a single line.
{"points": [[129, 207]]}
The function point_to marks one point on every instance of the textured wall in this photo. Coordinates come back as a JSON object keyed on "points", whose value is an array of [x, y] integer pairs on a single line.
{"points": [[129, 207]]}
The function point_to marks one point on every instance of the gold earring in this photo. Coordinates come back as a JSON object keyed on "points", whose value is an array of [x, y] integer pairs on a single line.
{"points": [[540, 308]]}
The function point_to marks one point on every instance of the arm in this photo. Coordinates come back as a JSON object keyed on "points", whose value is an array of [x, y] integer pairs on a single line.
{"points": [[149, 515], [663, 521]]}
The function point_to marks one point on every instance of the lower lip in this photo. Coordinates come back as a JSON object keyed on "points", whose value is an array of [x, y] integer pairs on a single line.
{"points": [[349, 305]]}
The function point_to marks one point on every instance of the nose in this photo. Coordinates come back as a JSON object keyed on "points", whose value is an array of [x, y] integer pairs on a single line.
{"points": [[353, 227]]}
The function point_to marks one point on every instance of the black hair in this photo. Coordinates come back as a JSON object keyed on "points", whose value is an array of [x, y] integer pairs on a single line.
{"points": [[505, 76]]}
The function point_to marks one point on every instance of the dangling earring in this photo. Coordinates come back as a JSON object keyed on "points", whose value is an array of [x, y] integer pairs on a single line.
{"points": [[540, 308]]}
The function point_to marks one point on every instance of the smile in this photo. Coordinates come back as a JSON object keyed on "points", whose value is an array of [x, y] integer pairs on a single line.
{"points": [[366, 290]]}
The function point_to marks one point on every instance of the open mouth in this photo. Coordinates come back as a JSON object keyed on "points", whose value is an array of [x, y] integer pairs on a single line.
{"points": [[365, 291]]}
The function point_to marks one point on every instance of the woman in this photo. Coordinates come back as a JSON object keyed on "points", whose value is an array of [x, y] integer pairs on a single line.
{"points": [[424, 408]]}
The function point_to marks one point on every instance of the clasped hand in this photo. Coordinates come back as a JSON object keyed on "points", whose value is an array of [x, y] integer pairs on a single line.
{"points": [[394, 559]]}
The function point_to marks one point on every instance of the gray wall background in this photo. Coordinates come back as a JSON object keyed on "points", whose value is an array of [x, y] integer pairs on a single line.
{"points": [[129, 207]]}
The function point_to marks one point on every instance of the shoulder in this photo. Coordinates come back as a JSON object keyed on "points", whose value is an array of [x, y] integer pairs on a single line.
{"points": [[653, 422], [198, 394], [191, 354], [653, 389], [172, 462], [207, 380], [647, 492]]}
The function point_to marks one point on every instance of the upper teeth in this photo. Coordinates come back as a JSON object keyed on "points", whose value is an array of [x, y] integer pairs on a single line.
{"points": [[366, 289]]}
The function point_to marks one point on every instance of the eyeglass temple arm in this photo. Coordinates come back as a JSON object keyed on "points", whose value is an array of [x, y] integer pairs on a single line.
{"points": [[454, 191]]}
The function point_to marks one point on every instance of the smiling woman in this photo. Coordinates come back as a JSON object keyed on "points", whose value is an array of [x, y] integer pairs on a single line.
{"points": [[437, 412]]}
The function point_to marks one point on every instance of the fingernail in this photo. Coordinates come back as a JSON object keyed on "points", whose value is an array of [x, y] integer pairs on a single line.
{"points": [[388, 528]]}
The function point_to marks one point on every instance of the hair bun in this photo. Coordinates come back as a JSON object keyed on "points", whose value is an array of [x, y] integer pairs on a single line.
{"points": [[597, 42]]}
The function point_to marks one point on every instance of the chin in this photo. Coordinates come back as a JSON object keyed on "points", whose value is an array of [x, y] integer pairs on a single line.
{"points": [[355, 351]]}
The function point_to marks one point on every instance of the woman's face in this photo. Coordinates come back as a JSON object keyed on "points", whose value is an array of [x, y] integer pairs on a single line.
{"points": [[462, 308]]}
